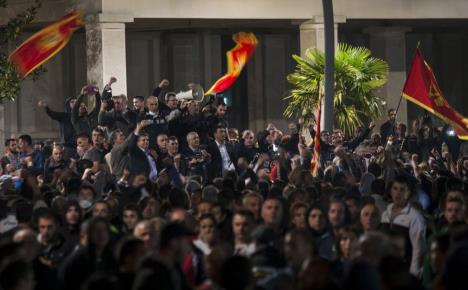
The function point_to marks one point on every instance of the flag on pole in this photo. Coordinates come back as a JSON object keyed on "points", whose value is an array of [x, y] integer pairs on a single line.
{"points": [[315, 162], [236, 60], [422, 89], [44, 44]]}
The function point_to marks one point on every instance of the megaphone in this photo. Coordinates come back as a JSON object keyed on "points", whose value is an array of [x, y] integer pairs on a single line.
{"points": [[195, 93]]}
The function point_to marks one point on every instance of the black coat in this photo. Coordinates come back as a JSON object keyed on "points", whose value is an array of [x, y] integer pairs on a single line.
{"points": [[85, 124], [138, 162], [67, 131], [215, 169]]}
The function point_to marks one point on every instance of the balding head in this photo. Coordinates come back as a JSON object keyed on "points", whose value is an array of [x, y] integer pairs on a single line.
{"points": [[152, 104], [146, 232], [193, 140]]}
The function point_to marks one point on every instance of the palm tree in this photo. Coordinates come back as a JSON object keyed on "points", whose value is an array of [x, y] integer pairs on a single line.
{"points": [[357, 75]]}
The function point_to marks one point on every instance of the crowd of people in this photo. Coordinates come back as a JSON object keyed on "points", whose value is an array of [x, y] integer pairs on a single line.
{"points": [[162, 194]]}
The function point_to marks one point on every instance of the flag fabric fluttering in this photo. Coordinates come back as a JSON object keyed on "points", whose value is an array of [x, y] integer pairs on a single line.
{"points": [[422, 89], [44, 44], [315, 161], [236, 60]]}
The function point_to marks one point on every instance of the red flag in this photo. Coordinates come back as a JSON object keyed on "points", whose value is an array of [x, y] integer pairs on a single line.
{"points": [[422, 89], [315, 162], [236, 60], [44, 44]]}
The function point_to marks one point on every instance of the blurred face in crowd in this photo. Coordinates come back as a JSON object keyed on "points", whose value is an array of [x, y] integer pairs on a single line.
{"points": [[193, 140], [138, 104], [162, 140], [145, 232], [253, 204], [99, 235], [119, 103], [353, 208], [83, 144], [299, 219], [392, 115], [57, 153], [400, 194], [316, 220], [97, 138], [336, 214], [86, 197], [192, 107], [28, 238], [12, 147], [72, 103], [242, 228], [454, 211], [207, 230], [173, 147], [72, 216], [203, 208], [296, 251], [370, 217], [218, 213], [171, 102], [221, 110], [103, 210], [130, 218], [376, 138], [151, 209], [249, 139], [47, 230], [325, 137], [119, 137], [401, 130], [272, 212], [220, 135], [152, 104], [337, 137], [347, 239], [83, 109], [23, 146], [143, 142]]}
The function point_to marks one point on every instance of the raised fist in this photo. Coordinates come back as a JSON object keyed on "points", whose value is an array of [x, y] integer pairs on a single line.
{"points": [[42, 104], [164, 83]]}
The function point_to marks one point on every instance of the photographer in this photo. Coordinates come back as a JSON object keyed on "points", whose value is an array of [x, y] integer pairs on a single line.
{"points": [[194, 159], [82, 121]]}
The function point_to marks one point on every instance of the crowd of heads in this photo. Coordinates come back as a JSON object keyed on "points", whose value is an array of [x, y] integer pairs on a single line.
{"points": [[161, 193]]}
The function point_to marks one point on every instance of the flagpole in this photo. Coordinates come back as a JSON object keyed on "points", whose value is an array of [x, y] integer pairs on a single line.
{"points": [[329, 27], [401, 96]]}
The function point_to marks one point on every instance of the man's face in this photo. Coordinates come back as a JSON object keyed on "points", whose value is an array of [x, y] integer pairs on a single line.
{"points": [[336, 214], [119, 137], [162, 142], [102, 210], [12, 147], [221, 110], [152, 104], [249, 140], [192, 107], [83, 109], [57, 153], [454, 212], [400, 194], [130, 218], [299, 217], [138, 104], [97, 138], [203, 208], [220, 134], [241, 227], [118, 104], [47, 229], [173, 147], [143, 142], [172, 102], [316, 220], [325, 136], [272, 212], [253, 204], [145, 233], [369, 217], [72, 216], [392, 116], [72, 103], [337, 138], [23, 146], [194, 140]]}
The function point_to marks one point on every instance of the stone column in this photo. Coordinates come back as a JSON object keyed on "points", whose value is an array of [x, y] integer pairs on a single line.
{"points": [[105, 52], [389, 44]]}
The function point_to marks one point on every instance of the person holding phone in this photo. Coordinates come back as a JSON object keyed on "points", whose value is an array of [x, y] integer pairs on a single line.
{"points": [[82, 120]]}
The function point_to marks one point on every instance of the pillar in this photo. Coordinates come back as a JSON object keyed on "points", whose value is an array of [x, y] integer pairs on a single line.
{"points": [[389, 44], [106, 54]]}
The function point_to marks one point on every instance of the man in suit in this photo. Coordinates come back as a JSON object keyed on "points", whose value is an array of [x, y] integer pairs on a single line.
{"points": [[222, 154], [195, 160], [141, 159]]}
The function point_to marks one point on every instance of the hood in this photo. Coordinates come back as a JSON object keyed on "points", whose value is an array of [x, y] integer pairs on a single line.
{"points": [[67, 104]]}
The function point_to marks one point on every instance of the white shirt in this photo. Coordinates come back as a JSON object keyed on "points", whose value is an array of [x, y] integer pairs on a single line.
{"points": [[227, 163]]}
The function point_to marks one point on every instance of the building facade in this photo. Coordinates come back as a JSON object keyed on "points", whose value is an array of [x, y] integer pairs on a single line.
{"points": [[142, 41]]}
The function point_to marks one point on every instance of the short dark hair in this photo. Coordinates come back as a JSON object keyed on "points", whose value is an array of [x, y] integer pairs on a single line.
{"points": [[84, 135], [101, 132], [391, 110], [140, 98], [8, 141], [218, 126], [173, 138], [245, 213], [26, 138], [132, 207], [47, 215]]}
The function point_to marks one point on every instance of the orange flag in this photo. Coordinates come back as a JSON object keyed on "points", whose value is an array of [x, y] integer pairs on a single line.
{"points": [[315, 162], [236, 60], [44, 44], [422, 89]]}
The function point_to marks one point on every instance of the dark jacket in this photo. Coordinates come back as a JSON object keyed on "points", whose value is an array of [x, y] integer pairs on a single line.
{"points": [[386, 129], [159, 125], [215, 168], [247, 152], [85, 124], [67, 131], [138, 162], [114, 120]]}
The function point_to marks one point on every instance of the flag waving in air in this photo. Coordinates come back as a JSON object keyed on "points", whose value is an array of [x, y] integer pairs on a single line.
{"points": [[45, 43], [315, 162], [422, 89], [236, 60]]}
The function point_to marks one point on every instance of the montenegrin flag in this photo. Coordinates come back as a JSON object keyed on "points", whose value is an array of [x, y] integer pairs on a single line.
{"points": [[45, 43], [236, 60], [422, 89], [315, 162]]}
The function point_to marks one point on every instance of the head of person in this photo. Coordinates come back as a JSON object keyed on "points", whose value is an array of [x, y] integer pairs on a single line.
{"points": [[11, 146], [57, 153], [337, 213], [102, 209], [138, 103], [130, 216], [48, 227], [143, 141], [253, 203], [272, 212], [86, 196], [219, 212], [299, 246], [72, 213], [28, 239], [83, 142], [173, 145], [221, 109], [400, 191], [117, 137], [391, 113], [316, 219], [219, 133], [171, 100], [325, 137], [150, 207], [376, 139], [401, 129], [369, 217], [120, 102], [175, 242], [454, 211], [346, 239], [146, 232], [242, 225], [207, 227], [98, 233], [25, 142], [72, 102], [203, 207], [128, 253], [152, 104], [297, 213], [97, 137], [337, 137], [192, 107], [193, 140], [249, 138], [162, 141]]}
